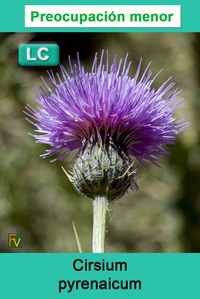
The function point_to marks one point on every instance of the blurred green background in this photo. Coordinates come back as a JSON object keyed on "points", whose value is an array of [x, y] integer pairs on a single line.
{"points": [[36, 198]]}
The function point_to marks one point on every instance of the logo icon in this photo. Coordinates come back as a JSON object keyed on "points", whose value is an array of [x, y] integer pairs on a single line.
{"points": [[15, 240]]}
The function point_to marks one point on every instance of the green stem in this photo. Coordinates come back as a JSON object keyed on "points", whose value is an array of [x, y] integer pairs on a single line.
{"points": [[100, 206]]}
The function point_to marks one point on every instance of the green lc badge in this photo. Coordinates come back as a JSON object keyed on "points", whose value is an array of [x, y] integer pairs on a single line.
{"points": [[38, 55]]}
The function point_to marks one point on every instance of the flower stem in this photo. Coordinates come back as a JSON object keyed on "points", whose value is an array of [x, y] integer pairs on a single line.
{"points": [[100, 206]]}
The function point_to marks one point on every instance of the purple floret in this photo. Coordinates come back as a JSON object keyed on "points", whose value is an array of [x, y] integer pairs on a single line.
{"points": [[106, 105]]}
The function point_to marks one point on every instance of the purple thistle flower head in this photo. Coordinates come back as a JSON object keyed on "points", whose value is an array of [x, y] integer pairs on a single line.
{"points": [[106, 115]]}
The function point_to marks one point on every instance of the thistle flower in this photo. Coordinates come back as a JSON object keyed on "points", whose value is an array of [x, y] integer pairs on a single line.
{"points": [[108, 115], [111, 119]]}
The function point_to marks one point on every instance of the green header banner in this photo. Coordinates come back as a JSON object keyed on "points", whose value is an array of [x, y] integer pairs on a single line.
{"points": [[101, 16]]}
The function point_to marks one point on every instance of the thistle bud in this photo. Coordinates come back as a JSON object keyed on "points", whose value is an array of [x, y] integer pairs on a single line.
{"points": [[102, 171]]}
